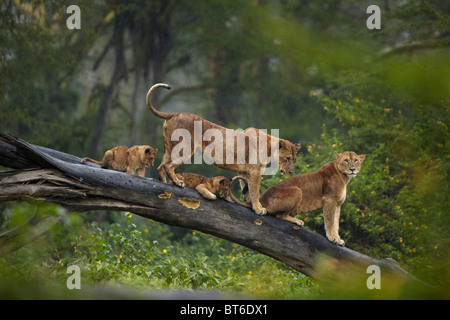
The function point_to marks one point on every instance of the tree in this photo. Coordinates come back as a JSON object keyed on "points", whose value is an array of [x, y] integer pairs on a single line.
{"points": [[148, 23], [37, 96]]}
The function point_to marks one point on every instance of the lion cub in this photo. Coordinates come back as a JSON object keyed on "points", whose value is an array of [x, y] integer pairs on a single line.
{"points": [[209, 188], [324, 188], [130, 160]]}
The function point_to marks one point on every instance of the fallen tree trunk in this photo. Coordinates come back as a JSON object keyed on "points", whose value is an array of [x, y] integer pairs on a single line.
{"points": [[53, 176]]}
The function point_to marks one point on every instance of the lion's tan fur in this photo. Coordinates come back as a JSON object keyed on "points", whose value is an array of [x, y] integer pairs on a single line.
{"points": [[209, 187], [251, 172], [324, 188], [131, 160]]}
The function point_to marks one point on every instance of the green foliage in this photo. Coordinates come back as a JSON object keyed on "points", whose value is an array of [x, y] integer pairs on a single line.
{"points": [[405, 176], [397, 206], [142, 254], [39, 64], [132, 252], [142, 257], [403, 179]]}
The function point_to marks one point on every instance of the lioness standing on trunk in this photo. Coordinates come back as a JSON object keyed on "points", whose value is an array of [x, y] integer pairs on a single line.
{"points": [[324, 188]]}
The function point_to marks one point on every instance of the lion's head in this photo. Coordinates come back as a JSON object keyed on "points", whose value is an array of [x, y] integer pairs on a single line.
{"points": [[223, 187], [349, 163], [148, 155], [287, 156]]}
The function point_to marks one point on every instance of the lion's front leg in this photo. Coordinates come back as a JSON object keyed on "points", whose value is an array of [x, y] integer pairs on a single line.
{"points": [[253, 188], [141, 172], [331, 210], [203, 190], [337, 215]]}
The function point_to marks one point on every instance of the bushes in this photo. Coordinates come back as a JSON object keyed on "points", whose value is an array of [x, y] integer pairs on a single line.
{"points": [[144, 255], [136, 252], [397, 206]]}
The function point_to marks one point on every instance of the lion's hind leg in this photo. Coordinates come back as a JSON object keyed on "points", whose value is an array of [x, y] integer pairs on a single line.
{"points": [[253, 188], [162, 174], [289, 218], [167, 167], [284, 203]]}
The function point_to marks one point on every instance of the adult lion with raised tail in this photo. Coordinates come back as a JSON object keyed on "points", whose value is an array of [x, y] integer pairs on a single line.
{"points": [[224, 157]]}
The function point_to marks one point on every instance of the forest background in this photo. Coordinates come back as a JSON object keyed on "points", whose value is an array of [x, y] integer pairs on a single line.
{"points": [[311, 69]]}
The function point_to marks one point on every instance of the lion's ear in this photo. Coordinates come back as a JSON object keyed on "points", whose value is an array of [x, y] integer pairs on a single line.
{"points": [[281, 144], [222, 181], [147, 150], [297, 146], [362, 157], [337, 154]]}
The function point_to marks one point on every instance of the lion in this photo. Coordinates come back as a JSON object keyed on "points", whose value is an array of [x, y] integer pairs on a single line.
{"points": [[209, 187], [131, 160], [250, 170], [324, 188]]}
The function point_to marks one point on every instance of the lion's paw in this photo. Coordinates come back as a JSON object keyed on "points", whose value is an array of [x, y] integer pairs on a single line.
{"points": [[261, 212], [337, 241], [180, 183]]}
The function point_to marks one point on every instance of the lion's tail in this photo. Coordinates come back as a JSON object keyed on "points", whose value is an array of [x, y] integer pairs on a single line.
{"points": [[149, 102], [239, 201], [91, 160]]}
